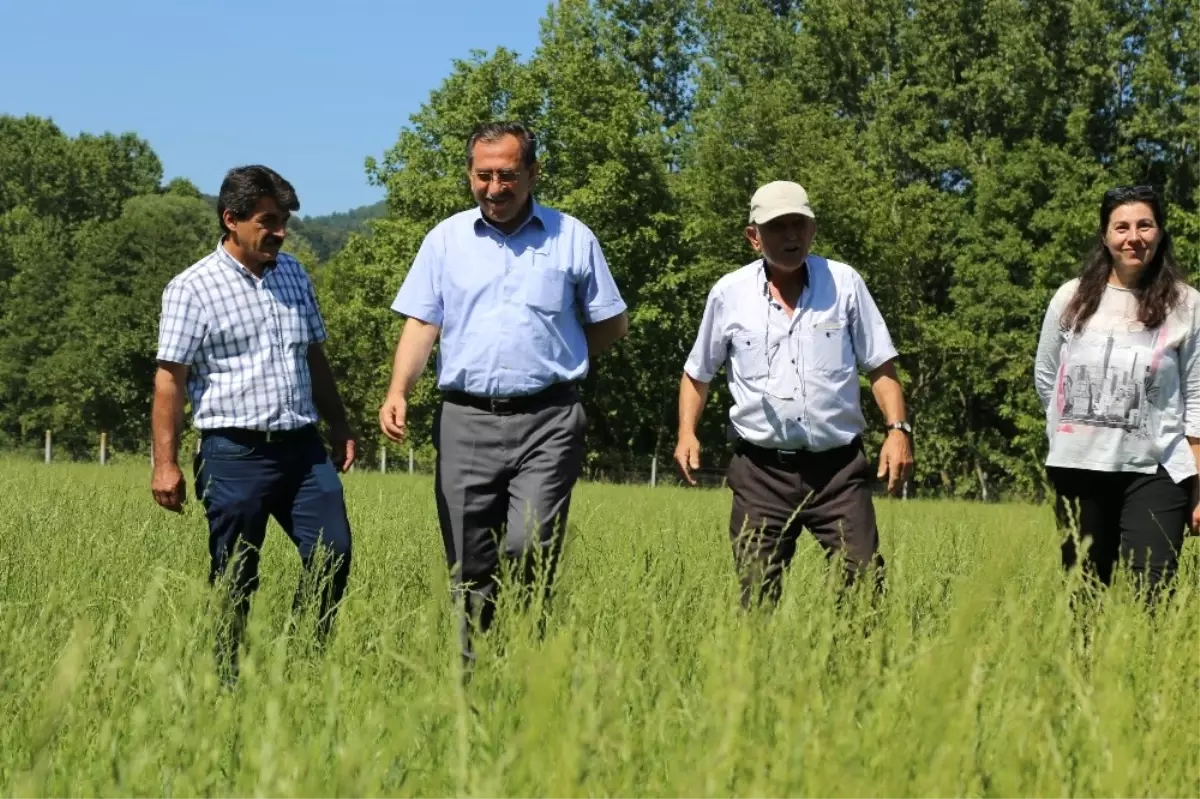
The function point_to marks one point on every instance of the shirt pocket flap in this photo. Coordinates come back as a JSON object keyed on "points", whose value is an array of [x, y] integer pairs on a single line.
{"points": [[748, 355], [545, 289], [830, 347]]}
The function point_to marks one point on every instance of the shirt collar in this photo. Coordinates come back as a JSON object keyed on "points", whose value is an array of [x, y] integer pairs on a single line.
{"points": [[805, 284], [537, 213], [226, 258]]}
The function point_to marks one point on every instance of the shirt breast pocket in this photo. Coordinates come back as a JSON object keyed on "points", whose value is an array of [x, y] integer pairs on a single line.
{"points": [[748, 357], [235, 337], [295, 321], [830, 348], [292, 309], [545, 290]]}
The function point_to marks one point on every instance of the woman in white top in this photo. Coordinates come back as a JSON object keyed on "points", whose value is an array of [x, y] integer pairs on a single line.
{"points": [[1117, 375]]}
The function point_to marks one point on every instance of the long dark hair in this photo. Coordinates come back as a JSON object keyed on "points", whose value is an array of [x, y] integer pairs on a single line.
{"points": [[1158, 288]]}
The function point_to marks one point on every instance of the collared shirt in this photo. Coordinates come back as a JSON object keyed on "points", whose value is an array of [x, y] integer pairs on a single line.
{"points": [[1120, 397], [245, 341], [511, 308], [794, 380]]}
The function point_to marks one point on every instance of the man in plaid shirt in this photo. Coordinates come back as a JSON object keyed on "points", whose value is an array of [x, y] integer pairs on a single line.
{"points": [[240, 337]]}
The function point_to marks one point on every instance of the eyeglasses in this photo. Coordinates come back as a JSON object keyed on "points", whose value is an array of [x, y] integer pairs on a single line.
{"points": [[507, 177]]}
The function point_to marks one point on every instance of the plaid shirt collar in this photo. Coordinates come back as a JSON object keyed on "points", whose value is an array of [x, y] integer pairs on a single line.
{"points": [[227, 259]]}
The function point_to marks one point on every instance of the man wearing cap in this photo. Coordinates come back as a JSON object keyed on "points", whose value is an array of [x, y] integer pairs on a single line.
{"points": [[795, 328]]}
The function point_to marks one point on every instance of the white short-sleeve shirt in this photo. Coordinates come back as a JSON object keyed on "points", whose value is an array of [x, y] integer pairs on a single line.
{"points": [[794, 380]]}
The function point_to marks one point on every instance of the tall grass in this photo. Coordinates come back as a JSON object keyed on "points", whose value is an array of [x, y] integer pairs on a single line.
{"points": [[972, 678]]}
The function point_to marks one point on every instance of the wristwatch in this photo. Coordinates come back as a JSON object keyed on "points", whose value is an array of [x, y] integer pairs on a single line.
{"points": [[902, 426]]}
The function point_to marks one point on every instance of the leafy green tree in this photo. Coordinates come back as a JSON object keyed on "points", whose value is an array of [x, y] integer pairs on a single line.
{"points": [[104, 366], [35, 256]]}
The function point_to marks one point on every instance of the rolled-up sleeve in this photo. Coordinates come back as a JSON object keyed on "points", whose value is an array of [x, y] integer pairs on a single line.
{"points": [[1189, 363], [873, 345], [182, 325], [708, 351], [1049, 349], [597, 292], [420, 295]]}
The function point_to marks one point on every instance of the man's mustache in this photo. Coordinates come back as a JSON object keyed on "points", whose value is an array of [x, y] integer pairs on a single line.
{"points": [[495, 198]]}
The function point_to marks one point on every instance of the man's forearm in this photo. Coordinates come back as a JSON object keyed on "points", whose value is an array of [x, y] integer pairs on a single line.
{"points": [[889, 396], [692, 394], [325, 394], [602, 335], [412, 354], [166, 417]]}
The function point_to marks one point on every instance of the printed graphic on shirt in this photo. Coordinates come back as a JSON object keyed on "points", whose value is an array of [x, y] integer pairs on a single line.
{"points": [[1107, 381]]}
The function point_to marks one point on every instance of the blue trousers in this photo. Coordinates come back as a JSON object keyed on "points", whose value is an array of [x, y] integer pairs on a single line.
{"points": [[242, 481]]}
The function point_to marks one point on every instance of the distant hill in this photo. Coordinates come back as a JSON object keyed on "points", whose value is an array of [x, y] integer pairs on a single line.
{"points": [[328, 234]]}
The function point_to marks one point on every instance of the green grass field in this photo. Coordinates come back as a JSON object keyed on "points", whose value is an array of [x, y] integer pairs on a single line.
{"points": [[973, 678]]}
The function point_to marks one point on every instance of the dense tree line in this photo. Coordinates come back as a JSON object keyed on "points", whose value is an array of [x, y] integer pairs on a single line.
{"points": [[955, 152], [327, 234]]}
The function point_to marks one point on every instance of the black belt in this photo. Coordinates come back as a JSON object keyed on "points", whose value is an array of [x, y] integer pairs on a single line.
{"points": [[246, 436], [520, 404], [787, 456]]}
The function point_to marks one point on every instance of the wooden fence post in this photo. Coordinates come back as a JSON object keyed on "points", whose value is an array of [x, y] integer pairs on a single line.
{"points": [[47, 446], [103, 448], [410, 460]]}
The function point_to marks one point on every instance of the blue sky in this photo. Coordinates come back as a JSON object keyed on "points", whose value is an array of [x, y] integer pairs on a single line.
{"points": [[310, 89]]}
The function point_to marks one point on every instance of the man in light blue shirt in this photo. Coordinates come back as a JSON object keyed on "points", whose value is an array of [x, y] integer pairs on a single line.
{"points": [[521, 297]]}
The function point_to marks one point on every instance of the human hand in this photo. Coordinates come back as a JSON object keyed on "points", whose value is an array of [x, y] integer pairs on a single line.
{"points": [[687, 456], [168, 487], [393, 417], [343, 446], [896, 461]]}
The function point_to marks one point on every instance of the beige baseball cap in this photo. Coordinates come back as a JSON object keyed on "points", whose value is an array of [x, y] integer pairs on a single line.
{"points": [[779, 198]]}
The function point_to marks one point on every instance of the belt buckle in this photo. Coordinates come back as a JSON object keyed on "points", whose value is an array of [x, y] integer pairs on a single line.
{"points": [[271, 435], [786, 454], [499, 404]]}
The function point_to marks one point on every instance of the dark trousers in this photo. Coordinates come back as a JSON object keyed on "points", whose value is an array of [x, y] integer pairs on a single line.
{"points": [[776, 496], [1122, 516], [503, 484], [242, 481]]}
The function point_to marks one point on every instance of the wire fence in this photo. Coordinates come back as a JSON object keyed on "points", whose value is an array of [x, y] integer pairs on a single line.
{"points": [[386, 458]]}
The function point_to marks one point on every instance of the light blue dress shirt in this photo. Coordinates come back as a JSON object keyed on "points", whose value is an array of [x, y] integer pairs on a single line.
{"points": [[512, 309]]}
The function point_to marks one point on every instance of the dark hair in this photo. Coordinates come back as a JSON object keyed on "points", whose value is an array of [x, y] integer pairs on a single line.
{"points": [[1158, 289], [495, 131], [244, 186]]}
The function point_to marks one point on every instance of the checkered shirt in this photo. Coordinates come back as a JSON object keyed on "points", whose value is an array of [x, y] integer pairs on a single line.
{"points": [[245, 341]]}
